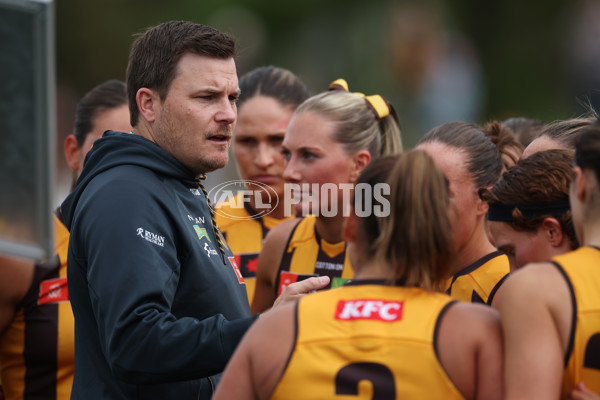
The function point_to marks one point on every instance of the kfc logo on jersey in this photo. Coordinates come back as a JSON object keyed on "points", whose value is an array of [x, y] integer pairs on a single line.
{"points": [[379, 310]]}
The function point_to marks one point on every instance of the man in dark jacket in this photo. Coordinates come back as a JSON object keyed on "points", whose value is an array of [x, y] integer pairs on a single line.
{"points": [[159, 302]]}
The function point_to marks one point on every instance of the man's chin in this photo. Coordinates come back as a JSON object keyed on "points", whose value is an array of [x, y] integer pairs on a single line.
{"points": [[212, 165]]}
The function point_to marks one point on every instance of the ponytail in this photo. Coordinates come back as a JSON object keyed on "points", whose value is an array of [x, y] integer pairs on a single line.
{"points": [[417, 237]]}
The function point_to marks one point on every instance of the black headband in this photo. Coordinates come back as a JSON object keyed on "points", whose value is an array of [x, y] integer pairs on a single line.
{"points": [[503, 212]]}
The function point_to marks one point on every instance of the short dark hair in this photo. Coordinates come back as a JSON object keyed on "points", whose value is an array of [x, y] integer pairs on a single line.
{"points": [[484, 161], [277, 83], [543, 177], [156, 52], [106, 96]]}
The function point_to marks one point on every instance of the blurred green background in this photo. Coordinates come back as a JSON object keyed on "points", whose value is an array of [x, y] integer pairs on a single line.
{"points": [[436, 61]]}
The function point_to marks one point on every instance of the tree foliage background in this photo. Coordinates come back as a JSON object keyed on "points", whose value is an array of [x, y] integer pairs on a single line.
{"points": [[434, 60]]}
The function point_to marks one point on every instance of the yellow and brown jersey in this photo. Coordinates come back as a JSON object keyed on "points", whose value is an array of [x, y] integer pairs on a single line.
{"points": [[581, 269], [244, 230], [369, 341], [307, 254], [479, 282], [36, 350]]}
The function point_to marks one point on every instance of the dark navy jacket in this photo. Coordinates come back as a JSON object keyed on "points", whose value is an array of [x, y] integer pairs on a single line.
{"points": [[156, 306]]}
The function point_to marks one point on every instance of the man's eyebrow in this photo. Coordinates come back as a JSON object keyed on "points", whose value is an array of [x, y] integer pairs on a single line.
{"points": [[215, 90], [210, 89]]}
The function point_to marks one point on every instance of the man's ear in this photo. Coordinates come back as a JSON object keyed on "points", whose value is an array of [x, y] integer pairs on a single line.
{"points": [[72, 152], [350, 227], [360, 162], [147, 101], [553, 231]]}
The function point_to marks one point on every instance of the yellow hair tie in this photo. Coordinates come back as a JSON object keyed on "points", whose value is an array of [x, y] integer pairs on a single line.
{"points": [[378, 104], [339, 84]]}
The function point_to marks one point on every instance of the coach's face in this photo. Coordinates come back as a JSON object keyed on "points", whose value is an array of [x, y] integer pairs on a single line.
{"points": [[195, 121]]}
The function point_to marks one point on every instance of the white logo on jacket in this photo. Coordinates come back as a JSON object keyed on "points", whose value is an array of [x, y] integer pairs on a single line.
{"points": [[209, 251], [151, 237], [199, 220]]}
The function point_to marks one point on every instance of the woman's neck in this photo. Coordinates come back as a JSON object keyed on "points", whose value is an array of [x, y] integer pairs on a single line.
{"points": [[477, 247], [591, 235], [330, 228], [371, 270]]}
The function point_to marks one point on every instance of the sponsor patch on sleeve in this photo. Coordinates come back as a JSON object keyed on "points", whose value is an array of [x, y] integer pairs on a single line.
{"points": [[53, 291], [373, 309]]}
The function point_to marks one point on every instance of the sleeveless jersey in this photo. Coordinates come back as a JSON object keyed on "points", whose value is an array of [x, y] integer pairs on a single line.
{"points": [[479, 282], [37, 358], [368, 341], [581, 269], [307, 254], [244, 230]]}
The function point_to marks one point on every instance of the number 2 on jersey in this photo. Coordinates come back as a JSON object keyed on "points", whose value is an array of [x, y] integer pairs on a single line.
{"points": [[382, 379]]}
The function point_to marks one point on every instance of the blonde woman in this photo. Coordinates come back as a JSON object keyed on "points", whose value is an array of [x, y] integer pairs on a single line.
{"points": [[330, 139]]}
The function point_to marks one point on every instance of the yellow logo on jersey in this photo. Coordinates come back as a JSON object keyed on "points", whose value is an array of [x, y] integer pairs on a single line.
{"points": [[201, 232]]}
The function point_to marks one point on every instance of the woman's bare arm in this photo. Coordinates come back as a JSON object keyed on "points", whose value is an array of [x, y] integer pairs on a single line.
{"points": [[16, 276], [470, 350], [269, 261], [533, 341], [259, 360]]}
